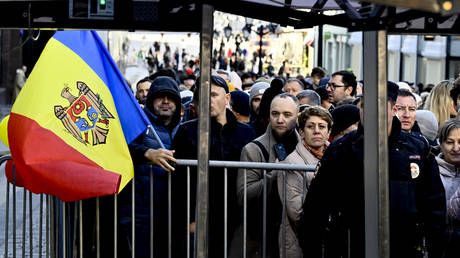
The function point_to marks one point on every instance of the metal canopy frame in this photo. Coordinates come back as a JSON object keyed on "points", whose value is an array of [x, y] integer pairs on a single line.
{"points": [[186, 15], [182, 15]]}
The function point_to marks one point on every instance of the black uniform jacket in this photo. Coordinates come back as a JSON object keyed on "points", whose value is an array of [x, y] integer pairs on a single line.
{"points": [[333, 219]]}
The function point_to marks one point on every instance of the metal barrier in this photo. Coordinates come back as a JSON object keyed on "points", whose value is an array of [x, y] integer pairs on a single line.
{"points": [[66, 234]]}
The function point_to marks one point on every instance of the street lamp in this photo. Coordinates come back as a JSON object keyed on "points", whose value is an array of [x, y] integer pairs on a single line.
{"points": [[238, 41], [261, 33]]}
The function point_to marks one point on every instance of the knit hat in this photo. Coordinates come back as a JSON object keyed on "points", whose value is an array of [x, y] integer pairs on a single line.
{"points": [[428, 123], [236, 80], [217, 81], [186, 96], [392, 90], [322, 92], [276, 87], [257, 88], [323, 81], [239, 102], [344, 116]]}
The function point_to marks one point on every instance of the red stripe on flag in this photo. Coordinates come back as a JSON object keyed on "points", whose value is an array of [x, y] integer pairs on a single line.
{"points": [[49, 165]]}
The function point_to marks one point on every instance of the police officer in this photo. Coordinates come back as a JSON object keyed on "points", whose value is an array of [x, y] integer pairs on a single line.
{"points": [[333, 223]]}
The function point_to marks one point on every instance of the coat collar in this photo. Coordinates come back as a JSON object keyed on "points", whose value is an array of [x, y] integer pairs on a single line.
{"points": [[449, 169]]}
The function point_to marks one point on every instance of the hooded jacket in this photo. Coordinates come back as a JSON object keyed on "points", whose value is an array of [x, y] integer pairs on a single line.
{"points": [[450, 176], [142, 171]]}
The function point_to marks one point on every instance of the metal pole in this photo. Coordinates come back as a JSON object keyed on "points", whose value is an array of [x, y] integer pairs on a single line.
{"points": [[64, 231], [264, 219], [203, 130], [24, 215], [260, 32], [188, 211], [320, 45], [376, 144], [40, 233], [115, 225], [245, 211], [284, 214], [14, 211], [98, 229], [151, 211], [169, 216], [7, 215], [225, 211], [30, 225], [133, 218], [80, 226], [47, 226], [74, 250]]}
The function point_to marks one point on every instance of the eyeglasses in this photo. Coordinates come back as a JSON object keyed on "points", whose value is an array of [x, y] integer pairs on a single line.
{"points": [[334, 86]]}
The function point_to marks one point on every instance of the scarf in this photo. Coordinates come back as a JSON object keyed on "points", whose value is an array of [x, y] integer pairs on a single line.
{"points": [[318, 154]]}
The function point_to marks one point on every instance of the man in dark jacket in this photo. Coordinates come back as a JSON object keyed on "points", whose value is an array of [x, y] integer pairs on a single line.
{"points": [[334, 206], [228, 136], [163, 110]]}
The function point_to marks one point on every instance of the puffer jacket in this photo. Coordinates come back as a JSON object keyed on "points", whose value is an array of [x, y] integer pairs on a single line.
{"points": [[450, 177], [297, 183]]}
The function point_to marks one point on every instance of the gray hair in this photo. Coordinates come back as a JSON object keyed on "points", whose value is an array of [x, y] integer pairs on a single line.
{"points": [[313, 98], [445, 129]]}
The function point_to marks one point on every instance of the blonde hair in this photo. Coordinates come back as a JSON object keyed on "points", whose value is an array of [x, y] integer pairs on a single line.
{"points": [[439, 101]]}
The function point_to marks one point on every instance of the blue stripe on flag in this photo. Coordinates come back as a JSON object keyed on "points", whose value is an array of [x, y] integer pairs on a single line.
{"points": [[91, 49]]}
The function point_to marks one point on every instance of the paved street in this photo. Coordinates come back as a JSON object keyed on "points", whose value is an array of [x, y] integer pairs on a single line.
{"points": [[4, 110]]}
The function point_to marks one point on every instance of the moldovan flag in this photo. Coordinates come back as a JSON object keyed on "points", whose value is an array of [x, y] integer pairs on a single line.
{"points": [[71, 124]]}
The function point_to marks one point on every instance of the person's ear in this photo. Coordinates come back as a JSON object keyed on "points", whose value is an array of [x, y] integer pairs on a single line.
{"points": [[349, 90], [227, 98]]}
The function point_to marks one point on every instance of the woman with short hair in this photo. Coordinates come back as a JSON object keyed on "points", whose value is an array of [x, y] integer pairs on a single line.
{"points": [[314, 126]]}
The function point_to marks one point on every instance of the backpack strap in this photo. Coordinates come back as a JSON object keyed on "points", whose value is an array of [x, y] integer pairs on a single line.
{"points": [[263, 149]]}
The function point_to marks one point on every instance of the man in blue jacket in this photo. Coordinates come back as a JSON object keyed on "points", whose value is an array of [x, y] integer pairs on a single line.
{"points": [[163, 110]]}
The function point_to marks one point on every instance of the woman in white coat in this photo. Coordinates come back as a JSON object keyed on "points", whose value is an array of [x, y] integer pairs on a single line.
{"points": [[314, 127]]}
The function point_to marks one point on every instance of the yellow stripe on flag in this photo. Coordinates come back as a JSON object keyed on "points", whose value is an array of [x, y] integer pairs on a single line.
{"points": [[59, 68]]}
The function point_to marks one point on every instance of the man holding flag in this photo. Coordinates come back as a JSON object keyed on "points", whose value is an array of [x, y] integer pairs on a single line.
{"points": [[71, 124], [163, 110]]}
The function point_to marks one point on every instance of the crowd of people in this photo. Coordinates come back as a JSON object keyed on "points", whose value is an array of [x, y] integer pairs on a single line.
{"points": [[317, 121]]}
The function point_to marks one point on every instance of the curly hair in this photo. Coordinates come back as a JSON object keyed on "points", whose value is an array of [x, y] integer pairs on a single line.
{"points": [[315, 111]]}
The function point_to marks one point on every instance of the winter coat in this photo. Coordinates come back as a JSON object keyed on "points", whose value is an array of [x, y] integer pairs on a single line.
{"points": [[453, 247], [450, 177], [252, 153], [142, 171], [451, 180], [297, 183], [226, 143], [335, 201]]}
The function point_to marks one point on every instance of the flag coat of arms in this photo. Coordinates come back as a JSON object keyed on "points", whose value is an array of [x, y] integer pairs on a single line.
{"points": [[71, 124]]}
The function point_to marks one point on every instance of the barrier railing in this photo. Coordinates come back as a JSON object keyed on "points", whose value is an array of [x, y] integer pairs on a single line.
{"points": [[74, 229]]}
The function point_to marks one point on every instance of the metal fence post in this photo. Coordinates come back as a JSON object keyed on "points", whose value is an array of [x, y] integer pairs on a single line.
{"points": [[202, 205], [376, 145]]}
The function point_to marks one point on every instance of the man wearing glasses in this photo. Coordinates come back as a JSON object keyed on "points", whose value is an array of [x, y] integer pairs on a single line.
{"points": [[342, 85]]}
